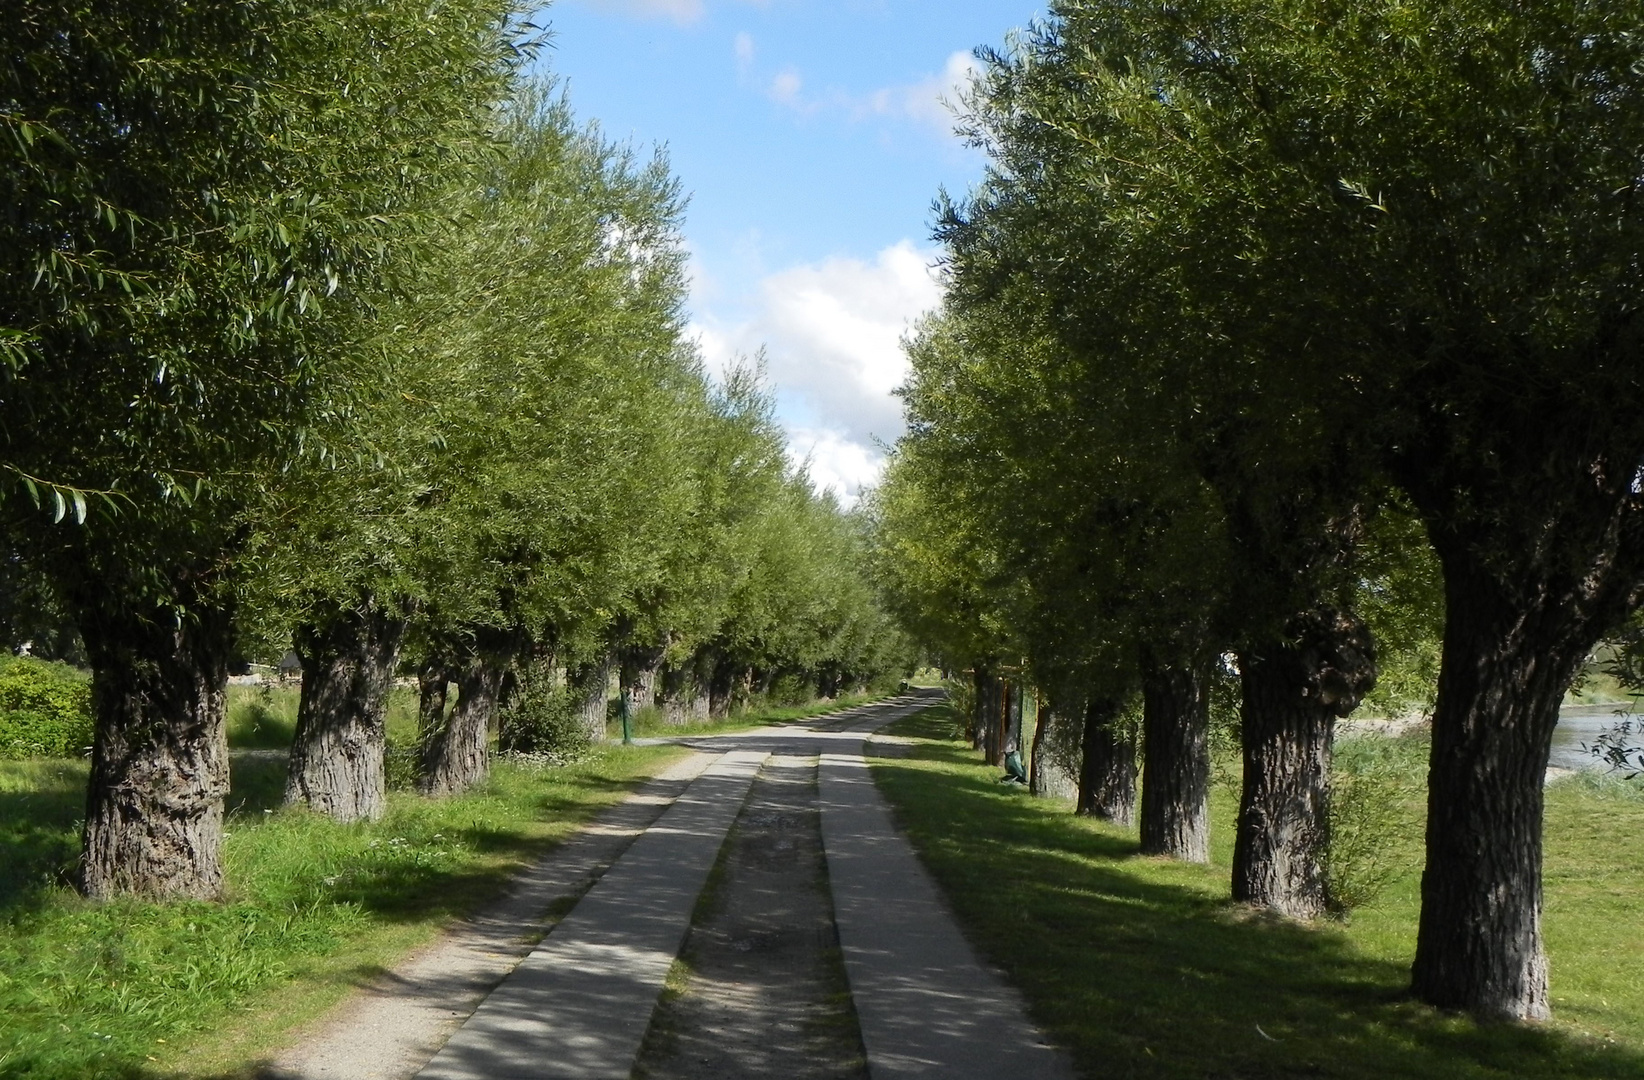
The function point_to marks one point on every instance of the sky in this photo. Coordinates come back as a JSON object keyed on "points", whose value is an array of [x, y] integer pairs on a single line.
{"points": [[812, 137]]}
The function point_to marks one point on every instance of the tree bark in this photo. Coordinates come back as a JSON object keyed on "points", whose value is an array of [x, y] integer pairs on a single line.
{"points": [[721, 684], [1054, 772], [681, 696], [433, 686], [1506, 666], [591, 683], [336, 764], [159, 764], [1107, 773], [642, 674], [455, 756], [1294, 691], [1176, 760]]}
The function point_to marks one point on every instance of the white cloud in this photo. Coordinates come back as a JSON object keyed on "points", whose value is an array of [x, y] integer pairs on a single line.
{"points": [[929, 102], [785, 88], [744, 46], [835, 462], [832, 334]]}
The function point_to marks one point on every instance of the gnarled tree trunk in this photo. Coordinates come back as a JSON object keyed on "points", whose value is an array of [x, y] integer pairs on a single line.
{"points": [[159, 761], [336, 764], [1294, 690], [455, 755], [591, 683], [642, 674], [1107, 772], [1176, 760]]}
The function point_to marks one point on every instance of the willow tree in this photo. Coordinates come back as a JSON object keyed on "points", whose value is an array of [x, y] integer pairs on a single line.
{"points": [[557, 382], [194, 196], [1412, 220]]}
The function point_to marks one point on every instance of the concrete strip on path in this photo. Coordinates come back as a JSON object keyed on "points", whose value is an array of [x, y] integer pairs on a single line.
{"points": [[391, 1029], [926, 1005], [579, 1005]]}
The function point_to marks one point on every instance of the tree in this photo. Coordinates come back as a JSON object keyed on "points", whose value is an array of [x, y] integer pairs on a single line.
{"points": [[194, 194], [1413, 220]]}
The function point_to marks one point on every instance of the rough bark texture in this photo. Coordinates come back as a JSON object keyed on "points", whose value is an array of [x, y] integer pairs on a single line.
{"points": [[723, 683], [336, 764], [433, 686], [1531, 492], [591, 683], [1107, 771], [1176, 761], [1055, 771], [681, 696], [1504, 673], [159, 764], [642, 674], [1294, 690], [455, 756]]}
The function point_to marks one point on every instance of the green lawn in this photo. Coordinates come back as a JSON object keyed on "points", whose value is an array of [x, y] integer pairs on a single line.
{"points": [[133, 989], [1143, 967]]}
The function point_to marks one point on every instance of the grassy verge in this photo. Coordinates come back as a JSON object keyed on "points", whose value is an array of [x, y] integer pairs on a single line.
{"points": [[1143, 968], [133, 989], [649, 723]]}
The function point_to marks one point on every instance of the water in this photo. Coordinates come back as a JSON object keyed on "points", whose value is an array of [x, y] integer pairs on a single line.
{"points": [[1578, 724]]}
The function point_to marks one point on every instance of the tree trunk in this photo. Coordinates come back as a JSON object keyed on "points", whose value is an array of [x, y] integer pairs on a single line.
{"points": [[591, 683], [681, 696], [456, 757], [336, 764], [642, 674], [433, 686], [159, 762], [981, 682], [1176, 761], [1107, 772], [721, 683], [1294, 690], [1506, 666], [1054, 773]]}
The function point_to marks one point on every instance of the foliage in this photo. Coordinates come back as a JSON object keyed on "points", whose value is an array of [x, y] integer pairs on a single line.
{"points": [[45, 709], [542, 718], [1375, 808]]}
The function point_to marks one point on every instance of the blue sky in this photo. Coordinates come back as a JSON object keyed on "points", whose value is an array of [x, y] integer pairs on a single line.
{"points": [[812, 139]]}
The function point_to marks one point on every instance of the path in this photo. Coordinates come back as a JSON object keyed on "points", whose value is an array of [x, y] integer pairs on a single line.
{"points": [[581, 1003]]}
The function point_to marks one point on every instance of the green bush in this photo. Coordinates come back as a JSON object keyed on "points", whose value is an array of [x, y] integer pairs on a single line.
{"points": [[45, 710], [541, 718], [1375, 813]]}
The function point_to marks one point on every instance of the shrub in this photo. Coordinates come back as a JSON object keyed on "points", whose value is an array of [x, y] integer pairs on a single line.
{"points": [[45, 710], [542, 717], [1374, 816]]}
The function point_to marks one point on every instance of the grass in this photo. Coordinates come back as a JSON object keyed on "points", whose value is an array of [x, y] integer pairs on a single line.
{"points": [[264, 716], [132, 989], [1143, 968]]}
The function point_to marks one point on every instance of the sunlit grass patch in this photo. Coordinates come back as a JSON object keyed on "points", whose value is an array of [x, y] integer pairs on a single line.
{"points": [[1144, 968], [110, 990]]}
